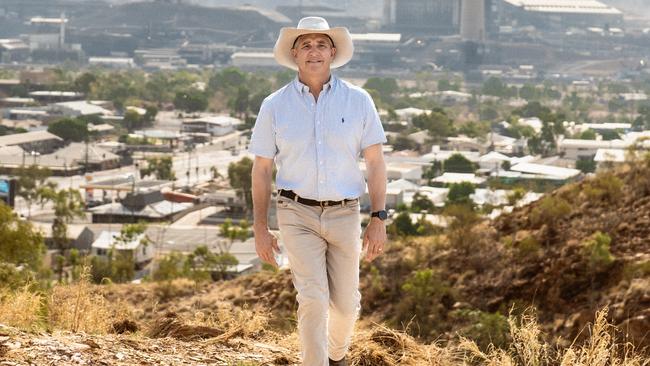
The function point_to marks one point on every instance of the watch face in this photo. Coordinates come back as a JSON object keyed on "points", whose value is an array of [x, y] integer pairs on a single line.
{"points": [[382, 215]]}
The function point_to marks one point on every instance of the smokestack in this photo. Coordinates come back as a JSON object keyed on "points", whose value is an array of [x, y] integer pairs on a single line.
{"points": [[472, 20], [62, 31]]}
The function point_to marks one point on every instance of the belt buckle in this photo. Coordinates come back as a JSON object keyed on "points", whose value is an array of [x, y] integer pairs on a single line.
{"points": [[322, 204]]}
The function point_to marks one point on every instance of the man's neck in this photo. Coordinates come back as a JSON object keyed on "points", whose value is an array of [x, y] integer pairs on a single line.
{"points": [[314, 82]]}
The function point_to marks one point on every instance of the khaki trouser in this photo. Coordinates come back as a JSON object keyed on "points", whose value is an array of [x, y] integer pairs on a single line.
{"points": [[323, 246]]}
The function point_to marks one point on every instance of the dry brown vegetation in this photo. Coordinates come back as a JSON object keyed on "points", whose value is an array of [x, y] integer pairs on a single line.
{"points": [[425, 302]]}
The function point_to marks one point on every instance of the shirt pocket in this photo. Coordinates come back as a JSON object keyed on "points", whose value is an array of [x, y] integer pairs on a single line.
{"points": [[345, 131]]}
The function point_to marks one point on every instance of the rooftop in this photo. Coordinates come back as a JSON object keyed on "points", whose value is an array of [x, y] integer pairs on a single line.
{"points": [[27, 137], [565, 6]]}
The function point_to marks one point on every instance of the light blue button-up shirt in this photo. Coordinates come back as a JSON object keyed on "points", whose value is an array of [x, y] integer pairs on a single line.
{"points": [[316, 145]]}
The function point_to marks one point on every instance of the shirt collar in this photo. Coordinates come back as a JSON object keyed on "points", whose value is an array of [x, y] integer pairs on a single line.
{"points": [[302, 88]]}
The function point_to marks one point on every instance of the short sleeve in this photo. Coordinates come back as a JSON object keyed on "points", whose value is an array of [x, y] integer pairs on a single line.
{"points": [[263, 137], [373, 131]]}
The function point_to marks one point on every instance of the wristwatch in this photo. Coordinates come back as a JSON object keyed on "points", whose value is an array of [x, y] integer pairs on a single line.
{"points": [[382, 215]]}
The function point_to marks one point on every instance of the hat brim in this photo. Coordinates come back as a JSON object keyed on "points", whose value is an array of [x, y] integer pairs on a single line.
{"points": [[340, 36]]}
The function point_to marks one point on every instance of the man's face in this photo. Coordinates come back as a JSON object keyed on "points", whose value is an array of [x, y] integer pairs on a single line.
{"points": [[313, 53]]}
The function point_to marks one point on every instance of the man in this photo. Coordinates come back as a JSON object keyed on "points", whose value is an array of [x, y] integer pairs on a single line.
{"points": [[315, 128]]}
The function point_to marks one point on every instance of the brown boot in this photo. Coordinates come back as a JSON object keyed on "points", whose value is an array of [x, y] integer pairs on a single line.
{"points": [[342, 362]]}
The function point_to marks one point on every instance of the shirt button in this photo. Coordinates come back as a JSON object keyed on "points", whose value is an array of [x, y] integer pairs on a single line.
{"points": [[321, 163], [319, 142]]}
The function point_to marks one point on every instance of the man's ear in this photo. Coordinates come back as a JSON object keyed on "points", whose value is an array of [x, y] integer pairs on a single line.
{"points": [[333, 52], [294, 53]]}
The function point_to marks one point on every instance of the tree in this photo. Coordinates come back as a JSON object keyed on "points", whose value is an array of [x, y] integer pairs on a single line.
{"points": [[588, 134], [528, 92], [22, 244], [386, 87], [160, 167], [403, 142], [226, 80], [444, 84], [67, 205], [233, 232], [83, 82], [586, 165], [199, 263], [421, 203], [240, 102], [30, 181], [132, 120], [496, 87], [402, 225], [239, 176], [457, 163], [191, 100], [169, 267], [69, 129], [437, 123], [459, 193], [123, 261]]}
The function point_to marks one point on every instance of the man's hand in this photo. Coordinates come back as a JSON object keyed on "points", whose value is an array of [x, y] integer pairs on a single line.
{"points": [[265, 244], [374, 238]]}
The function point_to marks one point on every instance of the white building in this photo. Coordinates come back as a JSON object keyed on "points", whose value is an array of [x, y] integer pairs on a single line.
{"points": [[214, 125], [80, 108], [253, 59], [138, 248], [576, 148]]}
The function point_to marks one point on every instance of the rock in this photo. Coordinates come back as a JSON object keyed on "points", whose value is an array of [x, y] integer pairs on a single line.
{"points": [[120, 356], [79, 347]]}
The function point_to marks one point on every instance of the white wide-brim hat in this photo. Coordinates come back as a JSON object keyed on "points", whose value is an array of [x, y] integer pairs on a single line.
{"points": [[288, 35]]}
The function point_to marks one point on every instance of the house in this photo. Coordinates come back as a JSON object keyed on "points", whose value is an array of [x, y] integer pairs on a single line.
{"points": [[406, 114], [450, 97], [79, 108], [455, 178], [135, 207], [464, 143], [138, 248], [214, 125], [437, 154], [606, 158], [41, 142], [575, 149], [493, 161], [546, 172]]}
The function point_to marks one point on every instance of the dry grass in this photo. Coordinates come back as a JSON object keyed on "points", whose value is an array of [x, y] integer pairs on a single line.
{"points": [[80, 307], [385, 346], [528, 350], [219, 326], [21, 308], [600, 350]]}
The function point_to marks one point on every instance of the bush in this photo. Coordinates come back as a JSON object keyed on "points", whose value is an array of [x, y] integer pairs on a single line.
{"points": [[459, 193], [484, 329], [604, 187], [597, 250], [550, 211], [170, 267], [529, 246], [422, 300]]}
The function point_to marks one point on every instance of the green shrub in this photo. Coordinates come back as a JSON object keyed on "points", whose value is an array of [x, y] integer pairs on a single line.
{"points": [[485, 329], [169, 267], [550, 211], [604, 187], [597, 250], [527, 247], [636, 270], [422, 300]]}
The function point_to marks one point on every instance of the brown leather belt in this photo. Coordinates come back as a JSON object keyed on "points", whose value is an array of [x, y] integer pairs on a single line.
{"points": [[306, 201]]}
